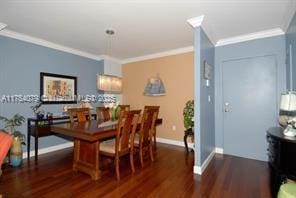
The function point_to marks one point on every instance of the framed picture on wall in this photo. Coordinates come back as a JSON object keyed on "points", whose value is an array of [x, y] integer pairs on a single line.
{"points": [[57, 89]]}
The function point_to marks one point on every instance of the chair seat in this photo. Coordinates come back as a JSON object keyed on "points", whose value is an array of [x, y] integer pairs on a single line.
{"points": [[287, 191], [136, 140], [108, 146]]}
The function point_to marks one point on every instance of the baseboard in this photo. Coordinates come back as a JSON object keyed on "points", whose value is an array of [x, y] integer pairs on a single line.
{"points": [[197, 170], [49, 149], [200, 169], [173, 142], [70, 144], [219, 150]]}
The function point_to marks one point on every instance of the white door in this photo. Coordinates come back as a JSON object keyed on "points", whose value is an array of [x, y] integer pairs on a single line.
{"points": [[250, 105]]}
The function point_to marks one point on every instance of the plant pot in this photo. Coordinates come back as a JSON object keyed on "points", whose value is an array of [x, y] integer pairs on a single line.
{"points": [[40, 116], [16, 152]]}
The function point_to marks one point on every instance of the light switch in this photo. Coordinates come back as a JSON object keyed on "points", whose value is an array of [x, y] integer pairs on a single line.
{"points": [[209, 98]]}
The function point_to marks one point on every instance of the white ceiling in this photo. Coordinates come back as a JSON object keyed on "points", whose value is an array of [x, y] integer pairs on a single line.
{"points": [[143, 26]]}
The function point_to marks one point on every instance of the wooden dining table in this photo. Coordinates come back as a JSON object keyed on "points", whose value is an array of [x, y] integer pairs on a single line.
{"points": [[87, 137]]}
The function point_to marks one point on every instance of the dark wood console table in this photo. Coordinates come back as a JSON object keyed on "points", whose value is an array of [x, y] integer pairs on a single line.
{"points": [[188, 132], [41, 128], [281, 158]]}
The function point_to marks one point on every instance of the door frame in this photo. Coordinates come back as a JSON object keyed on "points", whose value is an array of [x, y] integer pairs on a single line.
{"points": [[280, 80]]}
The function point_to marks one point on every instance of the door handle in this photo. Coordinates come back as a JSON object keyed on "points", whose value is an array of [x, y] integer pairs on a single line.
{"points": [[227, 107]]}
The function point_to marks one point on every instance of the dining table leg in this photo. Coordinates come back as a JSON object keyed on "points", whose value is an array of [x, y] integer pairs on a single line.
{"points": [[86, 158]]}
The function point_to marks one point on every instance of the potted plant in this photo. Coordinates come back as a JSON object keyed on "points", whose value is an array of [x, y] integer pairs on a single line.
{"points": [[38, 112], [188, 114], [16, 151]]}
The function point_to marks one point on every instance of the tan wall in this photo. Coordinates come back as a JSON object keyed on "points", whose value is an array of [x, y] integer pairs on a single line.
{"points": [[176, 73]]}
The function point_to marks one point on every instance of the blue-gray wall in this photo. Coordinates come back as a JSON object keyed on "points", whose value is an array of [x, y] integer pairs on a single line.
{"points": [[204, 110], [20, 67], [260, 47], [291, 57]]}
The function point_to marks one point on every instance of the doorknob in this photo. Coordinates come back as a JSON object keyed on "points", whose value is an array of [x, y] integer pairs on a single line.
{"points": [[226, 107]]}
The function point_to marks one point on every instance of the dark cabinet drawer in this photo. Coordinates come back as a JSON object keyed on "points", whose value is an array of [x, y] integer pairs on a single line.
{"points": [[281, 156], [273, 151], [40, 131]]}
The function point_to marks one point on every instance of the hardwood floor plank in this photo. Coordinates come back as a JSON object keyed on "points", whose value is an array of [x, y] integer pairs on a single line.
{"points": [[171, 175]]}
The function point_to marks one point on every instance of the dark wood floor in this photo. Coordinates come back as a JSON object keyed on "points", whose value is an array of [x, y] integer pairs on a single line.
{"points": [[169, 176]]}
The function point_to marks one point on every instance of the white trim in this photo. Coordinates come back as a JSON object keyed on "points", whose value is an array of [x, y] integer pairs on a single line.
{"points": [[252, 36], [107, 57], [42, 42], [197, 170], [196, 21], [219, 150], [49, 149], [2, 26], [70, 144], [200, 169], [173, 142], [159, 55]]}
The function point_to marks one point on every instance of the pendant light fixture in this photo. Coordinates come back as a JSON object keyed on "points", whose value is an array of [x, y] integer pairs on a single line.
{"points": [[109, 83]]}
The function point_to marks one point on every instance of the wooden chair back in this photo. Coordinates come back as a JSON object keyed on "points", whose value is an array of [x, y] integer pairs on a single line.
{"points": [[124, 107], [148, 125], [127, 125], [103, 113], [151, 107], [156, 108], [82, 114]]}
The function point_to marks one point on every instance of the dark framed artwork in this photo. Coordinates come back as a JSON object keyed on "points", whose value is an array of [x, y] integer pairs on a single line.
{"points": [[57, 89]]}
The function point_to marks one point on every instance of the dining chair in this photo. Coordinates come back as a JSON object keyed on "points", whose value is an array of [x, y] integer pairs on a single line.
{"points": [[143, 139], [124, 107], [82, 114], [156, 108], [123, 143], [103, 113]]}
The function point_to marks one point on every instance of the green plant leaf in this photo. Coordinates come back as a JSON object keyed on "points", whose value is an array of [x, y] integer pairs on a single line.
{"points": [[188, 114]]}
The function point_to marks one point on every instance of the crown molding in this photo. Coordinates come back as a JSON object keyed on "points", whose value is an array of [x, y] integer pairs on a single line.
{"points": [[44, 43], [249, 37], [159, 55], [2, 26], [196, 21], [113, 59]]}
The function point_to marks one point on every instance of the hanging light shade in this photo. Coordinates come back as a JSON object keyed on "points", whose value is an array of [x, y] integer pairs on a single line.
{"points": [[288, 113], [154, 87], [109, 83]]}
